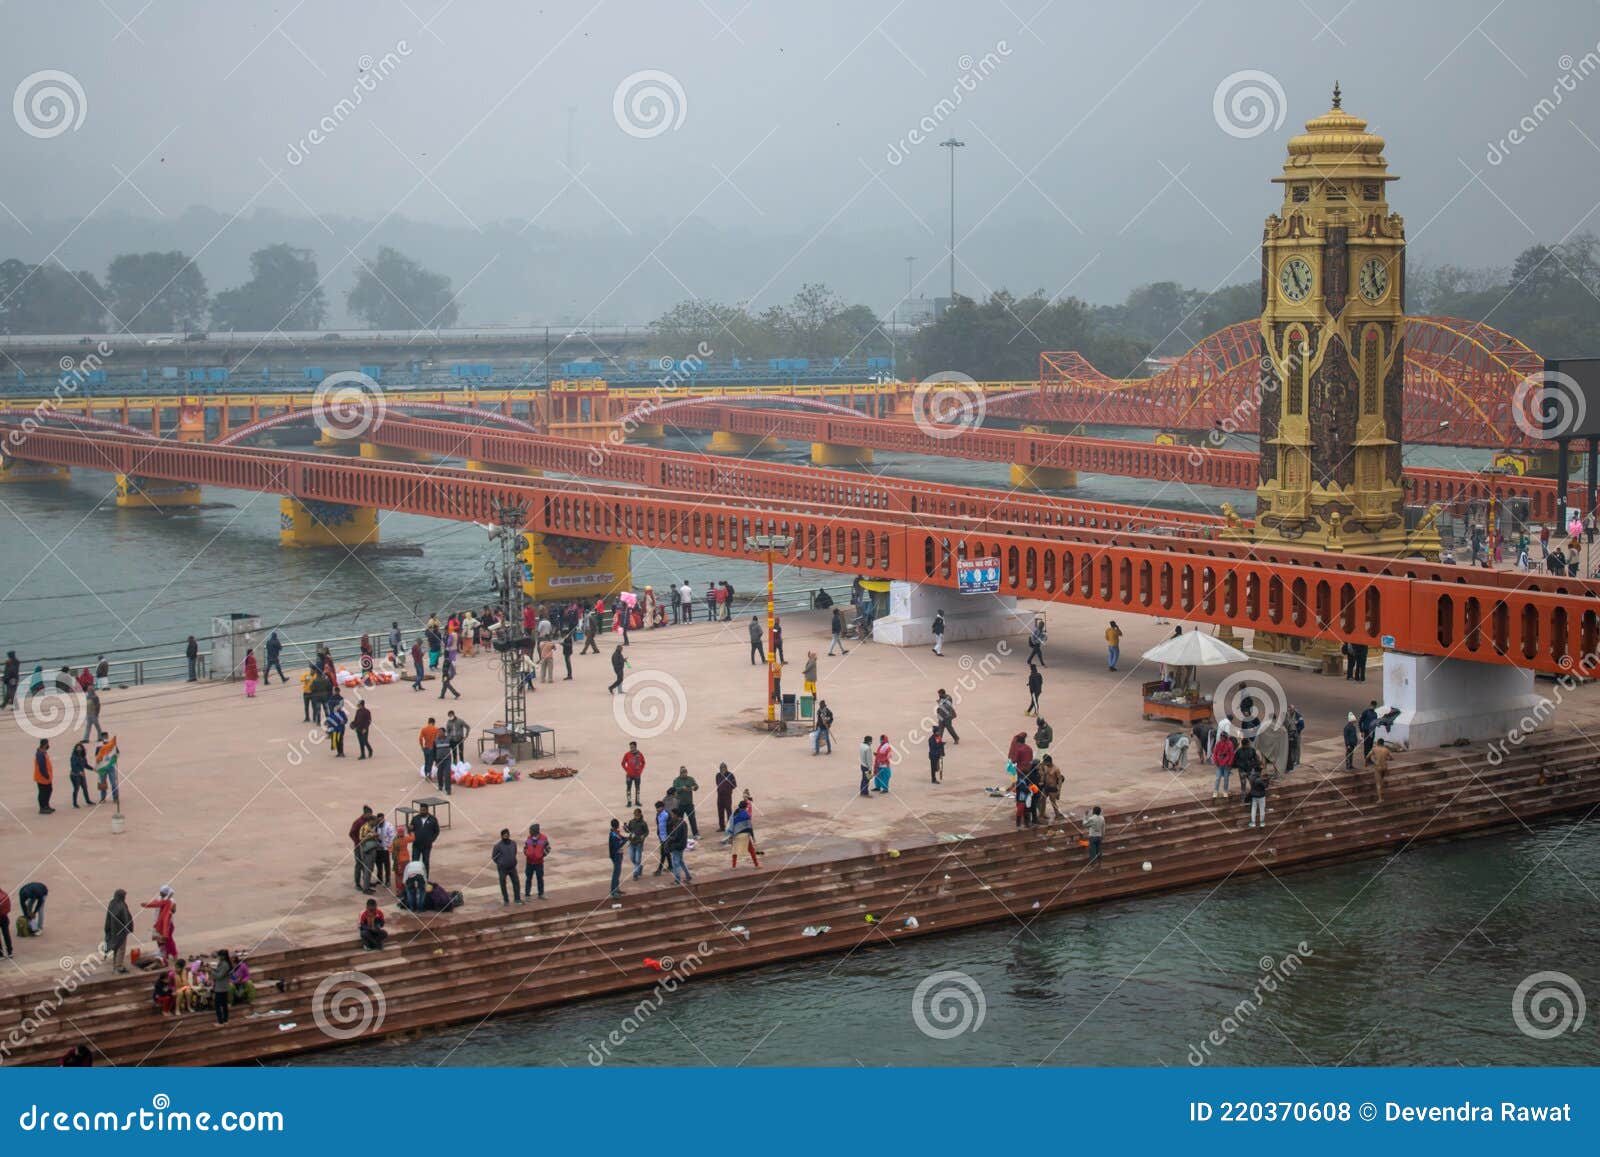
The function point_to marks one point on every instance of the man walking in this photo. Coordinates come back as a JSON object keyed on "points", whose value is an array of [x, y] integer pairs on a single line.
{"points": [[1035, 686], [684, 788], [757, 653], [1036, 641], [447, 673], [618, 664], [91, 715], [1113, 645], [823, 729], [836, 629], [361, 724], [591, 633], [633, 775], [274, 659], [534, 849], [938, 634], [424, 831], [945, 710], [504, 857], [725, 784]]}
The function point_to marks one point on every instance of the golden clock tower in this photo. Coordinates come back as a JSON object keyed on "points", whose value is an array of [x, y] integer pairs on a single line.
{"points": [[1333, 349]]}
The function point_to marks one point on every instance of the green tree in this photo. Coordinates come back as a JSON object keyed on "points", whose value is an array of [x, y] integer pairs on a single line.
{"points": [[1001, 339], [283, 293], [394, 292], [156, 292], [49, 299]]}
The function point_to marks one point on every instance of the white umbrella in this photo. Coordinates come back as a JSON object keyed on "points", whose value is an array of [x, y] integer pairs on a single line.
{"points": [[1195, 649]]}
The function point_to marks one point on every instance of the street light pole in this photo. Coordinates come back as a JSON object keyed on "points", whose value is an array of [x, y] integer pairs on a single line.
{"points": [[952, 144], [770, 544]]}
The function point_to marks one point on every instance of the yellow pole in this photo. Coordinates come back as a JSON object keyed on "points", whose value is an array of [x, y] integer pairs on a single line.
{"points": [[772, 679]]}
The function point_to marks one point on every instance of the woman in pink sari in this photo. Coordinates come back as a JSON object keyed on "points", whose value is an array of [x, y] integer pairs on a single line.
{"points": [[252, 672]]}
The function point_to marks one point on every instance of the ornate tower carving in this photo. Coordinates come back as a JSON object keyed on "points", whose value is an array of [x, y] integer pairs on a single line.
{"points": [[1333, 347]]}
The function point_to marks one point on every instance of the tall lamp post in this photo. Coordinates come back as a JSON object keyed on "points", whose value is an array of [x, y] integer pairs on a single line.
{"points": [[770, 545], [952, 144]]}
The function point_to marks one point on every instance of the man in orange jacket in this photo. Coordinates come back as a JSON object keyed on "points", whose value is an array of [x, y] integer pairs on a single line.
{"points": [[426, 738], [44, 777]]}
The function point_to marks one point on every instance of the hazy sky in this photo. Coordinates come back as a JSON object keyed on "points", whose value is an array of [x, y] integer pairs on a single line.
{"points": [[1093, 157]]}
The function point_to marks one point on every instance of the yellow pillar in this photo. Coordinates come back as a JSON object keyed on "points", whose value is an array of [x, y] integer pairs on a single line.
{"points": [[377, 453], [829, 454], [496, 468], [325, 524], [16, 470], [647, 432], [1042, 477], [728, 442], [135, 493], [556, 566]]}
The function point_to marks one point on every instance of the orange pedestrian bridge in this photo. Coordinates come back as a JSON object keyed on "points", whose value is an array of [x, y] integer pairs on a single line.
{"points": [[1497, 621]]}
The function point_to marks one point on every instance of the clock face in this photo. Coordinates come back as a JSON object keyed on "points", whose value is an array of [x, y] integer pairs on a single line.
{"points": [[1295, 279], [1374, 279]]}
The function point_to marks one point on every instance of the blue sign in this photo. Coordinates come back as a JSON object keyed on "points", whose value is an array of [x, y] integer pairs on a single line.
{"points": [[978, 576]]}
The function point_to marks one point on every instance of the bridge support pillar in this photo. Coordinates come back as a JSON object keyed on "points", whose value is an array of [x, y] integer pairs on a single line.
{"points": [[496, 468], [829, 454], [558, 566], [377, 453], [728, 442], [1317, 655], [1042, 477], [325, 524], [16, 470], [912, 607], [646, 431], [135, 493], [1446, 700]]}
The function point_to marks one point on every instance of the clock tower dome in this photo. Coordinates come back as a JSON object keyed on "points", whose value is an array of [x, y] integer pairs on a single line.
{"points": [[1333, 348]]}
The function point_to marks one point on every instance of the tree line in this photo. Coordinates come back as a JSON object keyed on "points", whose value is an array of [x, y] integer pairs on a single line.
{"points": [[166, 293]]}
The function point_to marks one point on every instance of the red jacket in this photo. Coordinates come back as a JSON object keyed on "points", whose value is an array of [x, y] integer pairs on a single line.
{"points": [[633, 764], [1222, 752]]}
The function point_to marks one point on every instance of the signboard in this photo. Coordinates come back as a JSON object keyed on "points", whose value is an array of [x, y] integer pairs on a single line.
{"points": [[978, 576]]}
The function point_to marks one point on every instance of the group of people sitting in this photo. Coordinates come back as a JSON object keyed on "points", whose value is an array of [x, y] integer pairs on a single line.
{"points": [[192, 985]]}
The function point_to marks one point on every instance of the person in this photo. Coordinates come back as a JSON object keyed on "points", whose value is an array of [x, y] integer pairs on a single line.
{"points": [[1367, 724], [416, 664], [1352, 737], [44, 777], [935, 755], [456, 731], [435, 636], [1258, 796], [105, 769], [7, 949], [1295, 724], [370, 927], [945, 710], [725, 600], [1026, 788], [1360, 656], [443, 772], [836, 629], [78, 774], [1222, 755], [566, 649], [808, 673], [91, 714], [77, 1057], [867, 752], [191, 652], [683, 788], [777, 639], [383, 855], [677, 602], [882, 765], [321, 692], [1036, 639], [615, 842], [617, 665], [1094, 826], [547, 660], [414, 881], [591, 633], [726, 784], [426, 738], [742, 835], [119, 922], [275, 658], [1051, 780], [447, 673], [758, 654], [166, 926], [102, 674], [822, 731], [364, 842], [1043, 735], [1035, 686], [334, 722], [222, 985], [504, 857], [938, 633], [396, 640], [11, 678], [1380, 767], [1348, 650], [361, 723], [633, 774], [470, 626], [164, 993], [534, 850], [677, 845], [663, 835], [1113, 645], [424, 831]]}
